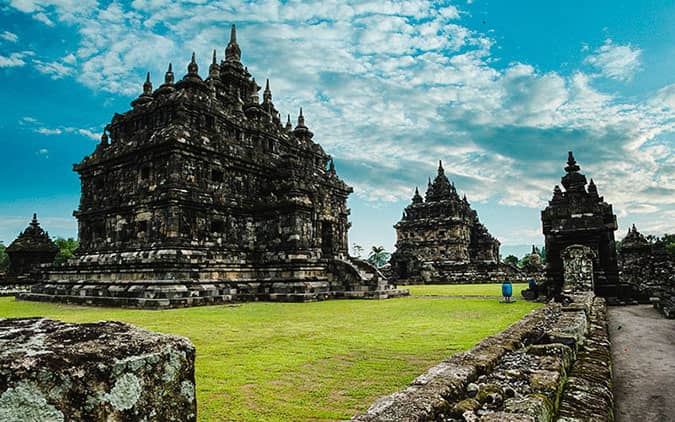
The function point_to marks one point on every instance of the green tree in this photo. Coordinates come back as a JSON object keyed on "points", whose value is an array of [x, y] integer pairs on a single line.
{"points": [[512, 260], [4, 258], [378, 256], [66, 249]]}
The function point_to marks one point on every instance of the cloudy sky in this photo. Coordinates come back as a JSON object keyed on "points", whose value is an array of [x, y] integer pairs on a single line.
{"points": [[498, 90]]}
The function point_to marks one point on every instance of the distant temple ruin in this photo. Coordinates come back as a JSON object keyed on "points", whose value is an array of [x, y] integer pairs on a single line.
{"points": [[28, 251], [648, 269], [200, 194], [441, 240], [579, 226]]}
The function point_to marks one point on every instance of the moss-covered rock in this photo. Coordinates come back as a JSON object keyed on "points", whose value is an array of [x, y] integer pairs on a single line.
{"points": [[56, 371]]}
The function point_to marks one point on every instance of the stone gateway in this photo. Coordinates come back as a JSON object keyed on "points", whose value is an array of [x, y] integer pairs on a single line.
{"points": [[200, 194], [579, 226]]}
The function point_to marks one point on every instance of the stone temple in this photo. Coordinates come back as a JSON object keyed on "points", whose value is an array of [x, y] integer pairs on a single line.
{"points": [[32, 248], [579, 226], [441, 240], [200, 194]]}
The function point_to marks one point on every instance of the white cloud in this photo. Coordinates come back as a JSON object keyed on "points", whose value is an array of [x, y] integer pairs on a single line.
{"points": [[56, 70], [9, 36], [89, 134], [13, 60], [36, 126], [389, 88], [615, 61], [48, 131], [41, 17]]}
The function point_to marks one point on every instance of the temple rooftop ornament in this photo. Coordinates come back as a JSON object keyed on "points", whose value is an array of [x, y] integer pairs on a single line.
{"points": [[579, 230], [301, 131], [233, 52], [203, 199], [146, 96]]}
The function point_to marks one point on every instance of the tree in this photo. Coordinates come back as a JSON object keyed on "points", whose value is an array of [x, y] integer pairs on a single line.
{"points": [[66, 249], [4, 258], [511, 260], [358, 250], [378, 256]]}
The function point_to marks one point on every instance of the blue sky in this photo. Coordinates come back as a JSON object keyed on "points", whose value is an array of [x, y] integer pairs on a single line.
{"points": [[499, 91]]}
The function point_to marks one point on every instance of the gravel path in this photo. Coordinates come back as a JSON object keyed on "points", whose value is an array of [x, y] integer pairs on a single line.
{"points": [[643, 354]]}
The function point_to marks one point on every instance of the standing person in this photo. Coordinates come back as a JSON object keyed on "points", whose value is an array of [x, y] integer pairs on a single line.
{"points": [[507, 290]]}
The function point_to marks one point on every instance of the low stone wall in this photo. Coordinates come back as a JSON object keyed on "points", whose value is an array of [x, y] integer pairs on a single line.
{"points": [[13, 289], [56, 371], [546, 366], [450, 273]]}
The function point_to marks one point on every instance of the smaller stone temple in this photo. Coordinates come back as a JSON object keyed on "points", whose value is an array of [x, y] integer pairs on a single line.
{"points": [[649, 271], [579, 229], [441, 240], [28, 251]]}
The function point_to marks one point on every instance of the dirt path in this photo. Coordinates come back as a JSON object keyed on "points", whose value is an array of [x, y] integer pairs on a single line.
{"points": [[643, 354]]}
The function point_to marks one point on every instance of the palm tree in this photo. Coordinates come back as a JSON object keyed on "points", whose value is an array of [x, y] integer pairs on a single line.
{"points": [[378, 256]]}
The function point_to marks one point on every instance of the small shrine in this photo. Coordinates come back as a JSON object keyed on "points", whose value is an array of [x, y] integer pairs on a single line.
{"points": [[32, 248]]}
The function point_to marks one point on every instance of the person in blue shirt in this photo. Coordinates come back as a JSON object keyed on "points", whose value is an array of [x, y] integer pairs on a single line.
{"points": [[507, 290]]}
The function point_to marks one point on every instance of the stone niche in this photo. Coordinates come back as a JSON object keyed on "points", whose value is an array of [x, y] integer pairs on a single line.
{"points": [[578, 227], [56, 371]]}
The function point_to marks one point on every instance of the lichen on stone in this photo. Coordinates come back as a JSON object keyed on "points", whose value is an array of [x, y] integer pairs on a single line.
{"points": [[125, 393], [26, 403], [187, 389], [173, 364]]}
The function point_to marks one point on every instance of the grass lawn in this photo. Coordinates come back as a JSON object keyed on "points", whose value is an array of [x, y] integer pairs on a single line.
{"points": [[325, 360], [463, 289]]}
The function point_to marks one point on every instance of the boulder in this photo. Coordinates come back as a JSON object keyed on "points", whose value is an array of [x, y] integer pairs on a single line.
{"points": [[58, 371]]}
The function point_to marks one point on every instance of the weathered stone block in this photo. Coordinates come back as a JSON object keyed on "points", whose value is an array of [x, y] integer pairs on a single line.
{"points": [[56, 371]]}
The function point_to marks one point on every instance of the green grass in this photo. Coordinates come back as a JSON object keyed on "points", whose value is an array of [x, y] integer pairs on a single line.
{"points": [[326, 360], [462, 289]]}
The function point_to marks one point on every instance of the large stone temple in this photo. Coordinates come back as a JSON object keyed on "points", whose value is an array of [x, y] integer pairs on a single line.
{"points": [[201, 194], [441, 240], [579, 226]]}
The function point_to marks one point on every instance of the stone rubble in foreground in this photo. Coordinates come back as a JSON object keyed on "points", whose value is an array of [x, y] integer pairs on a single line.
{"points": [[57, 371]]}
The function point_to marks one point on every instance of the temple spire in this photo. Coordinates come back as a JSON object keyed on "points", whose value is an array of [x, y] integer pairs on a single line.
{"points": [[571, 163], [233, 52], [289, 125], [147, 86], [301, 130], [440, 168], [34, 221], [104, 139], [417, 198], [168, 76], [192, 67], [267, 94], [214, 69]]}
